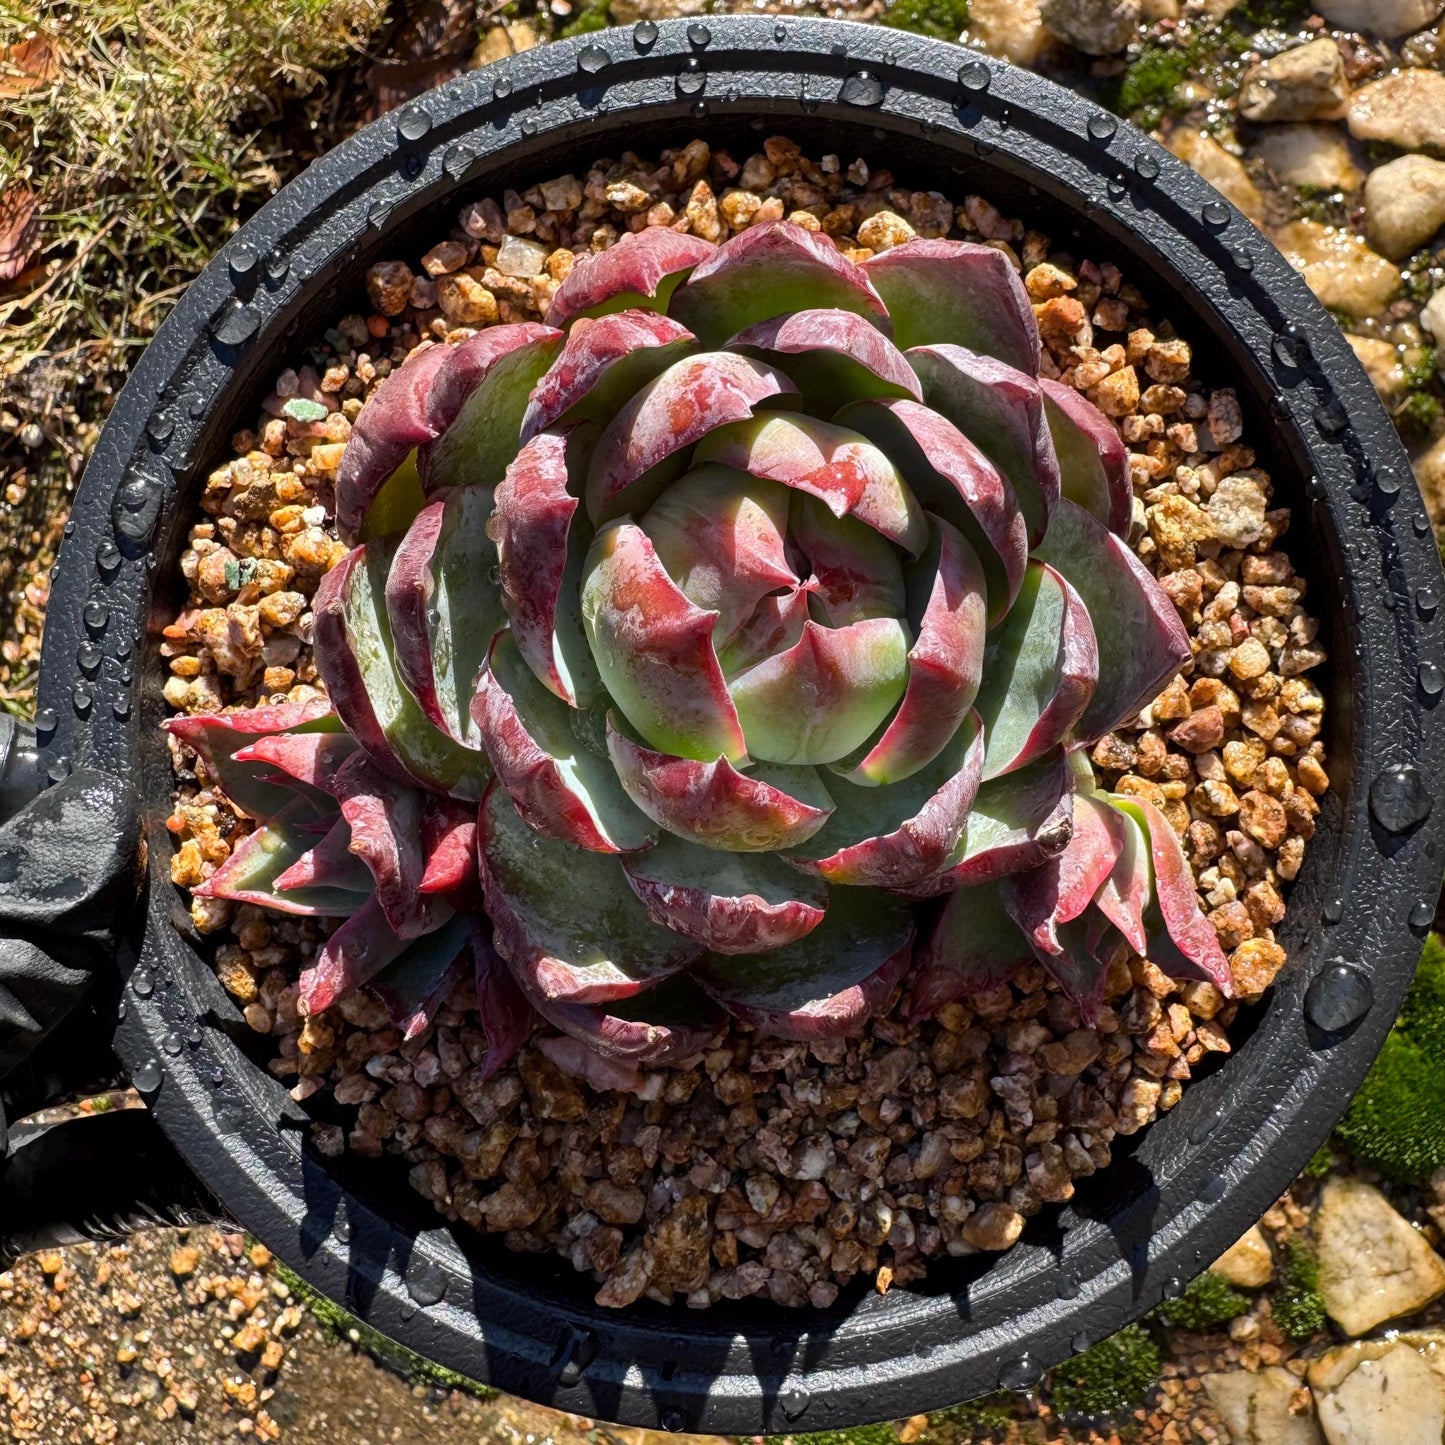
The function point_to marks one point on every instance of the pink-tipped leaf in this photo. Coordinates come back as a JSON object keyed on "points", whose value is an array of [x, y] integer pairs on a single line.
{"points": [[506, 1017], [1093, 461], [834, 356], [640, 272], [353, 955]]}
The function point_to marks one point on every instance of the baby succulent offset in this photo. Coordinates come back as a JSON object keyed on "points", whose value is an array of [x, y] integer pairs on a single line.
{"points": [[730, 643]]}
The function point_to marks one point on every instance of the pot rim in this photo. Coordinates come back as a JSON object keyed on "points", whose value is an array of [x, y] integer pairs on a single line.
{"points": [[1201, 1173]]}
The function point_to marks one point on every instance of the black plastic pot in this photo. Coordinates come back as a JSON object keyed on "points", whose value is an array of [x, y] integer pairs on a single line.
{"points": [[942, 118]]}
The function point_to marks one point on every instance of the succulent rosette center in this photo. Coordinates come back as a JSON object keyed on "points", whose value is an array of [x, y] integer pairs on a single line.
{"points": [[730, 645]]}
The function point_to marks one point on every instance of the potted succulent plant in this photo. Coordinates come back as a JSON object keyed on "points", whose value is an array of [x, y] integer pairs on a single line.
{"points": [[738, 643]]}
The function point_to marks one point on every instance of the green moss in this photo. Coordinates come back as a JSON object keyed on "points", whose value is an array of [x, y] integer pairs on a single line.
{"points": [[1298, 1309], [991, 1414], [1112, 1377], [595, 15], [939, 19], [1152, 78], [1210, 1300], [863, 1435], [1321, 1165], [341, 1325], [1422, 373], [1397, 1120], [1277, 13]]}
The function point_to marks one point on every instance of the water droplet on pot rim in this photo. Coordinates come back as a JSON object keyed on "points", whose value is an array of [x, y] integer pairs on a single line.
{"points": [[1102, 127], [593, 58], [1422, 915], [1146, 167], [413, 123], [644, 33], [1399, 799], [425, 1282], [147, 1078], [1339, 996], [502, 89], [1215, 213], [1432, 680], [1019, 1374], [699, 35], [861, 89], [975, 76]]}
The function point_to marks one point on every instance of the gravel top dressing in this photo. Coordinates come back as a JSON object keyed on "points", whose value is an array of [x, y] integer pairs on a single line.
{"points": [[770, 1167]]}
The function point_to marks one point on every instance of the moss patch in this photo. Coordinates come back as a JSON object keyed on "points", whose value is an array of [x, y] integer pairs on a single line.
{"points": [[1397, 1120], [1298, 1309], [595, 15], [1209, 1301], [939, 19], [1113, 1376]]}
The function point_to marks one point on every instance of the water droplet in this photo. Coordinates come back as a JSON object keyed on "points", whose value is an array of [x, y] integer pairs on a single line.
{"points": [[120, 1009], [426, 1282], [412, 165], [81, 699], [673, 1421], [229, 1117], [413, 123], [242, 259], [1068, 1285], [733, 94], [1173, 1287], [107, 557], [862, 89], [1019, 1374], [377, 215], [1102, 126], [795, 1400], [644, 34], [136, 510], [699, 108], [691, 78], [502, 89], [96, 615], [45, 721], [147, 1078], [1117, 185], [236, 325], [1427, 602], [780, 33], [1080, 1342], [1334, 910], [121, 707], [276, 268], [457, 160], [1216, 214], [1422, 915], [1214, 1188], [342, 1229], [1387, 480], [975, 76], [193, 1034], [1206, 1124], [88, 657], [1242, 257], [528, 124], [1331, 417], [576, 1355], [1339, 995], [59, 770], [699, 35], [216, 1076], [159, 427], [1146, 167], [142, 984], [171, 1044], [1399, 799], [1432, 680], [592, 58]]}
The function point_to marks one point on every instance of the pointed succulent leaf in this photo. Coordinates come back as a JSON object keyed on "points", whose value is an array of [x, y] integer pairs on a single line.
{"points": [[329, 864], [776, 624], [310, 759], [354, 654], [602, 363], [728, 902], [654, 649], [394, 421], [608, 950], [667, 1023], [470, 364], [842, 468], [415, 984], [1182, 941], [352, 956], [251, 873], [947, 605], [218, 737], [449, 843], [645, 445], [385, 820], [482, 439], [1040, 667], [395, 506], [1042, 900], [539, 543], [1126, 895], [856, 574], [506, 1017], [834, 356], [771, 270], [552, 759], [1093, 461], [827, 982], [958, 293], [825, 695], [974, 946], [640, 272], [899, 836], [720, 535], [598, 1071], [1001, 410], [767, 808], [1086, 951], [953, 479], [1141, 641], [1016, 823], [443, 606]]}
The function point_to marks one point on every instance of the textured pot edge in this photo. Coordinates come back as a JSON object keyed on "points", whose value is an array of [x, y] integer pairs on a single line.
{"points": [[808, 1375]]}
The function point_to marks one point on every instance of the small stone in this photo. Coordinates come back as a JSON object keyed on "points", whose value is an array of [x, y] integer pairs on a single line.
{"points": [[1317, 156], [1378, 1392], [1225, 172], [1340, 268], [1432, 318], [1097, 27], [1010, 29], [388, 285], [629, 12], [444, 258], [1247, 1262], [518, 256], [1385, 18], [1306, 82], [993, 1226], [884, 230], [562, 194], [1253, 966], [1407, 109], [1256, 1407], [1373, 1265], [1404, 204], [184, 1260], [1249, 659], [464, 301]]}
